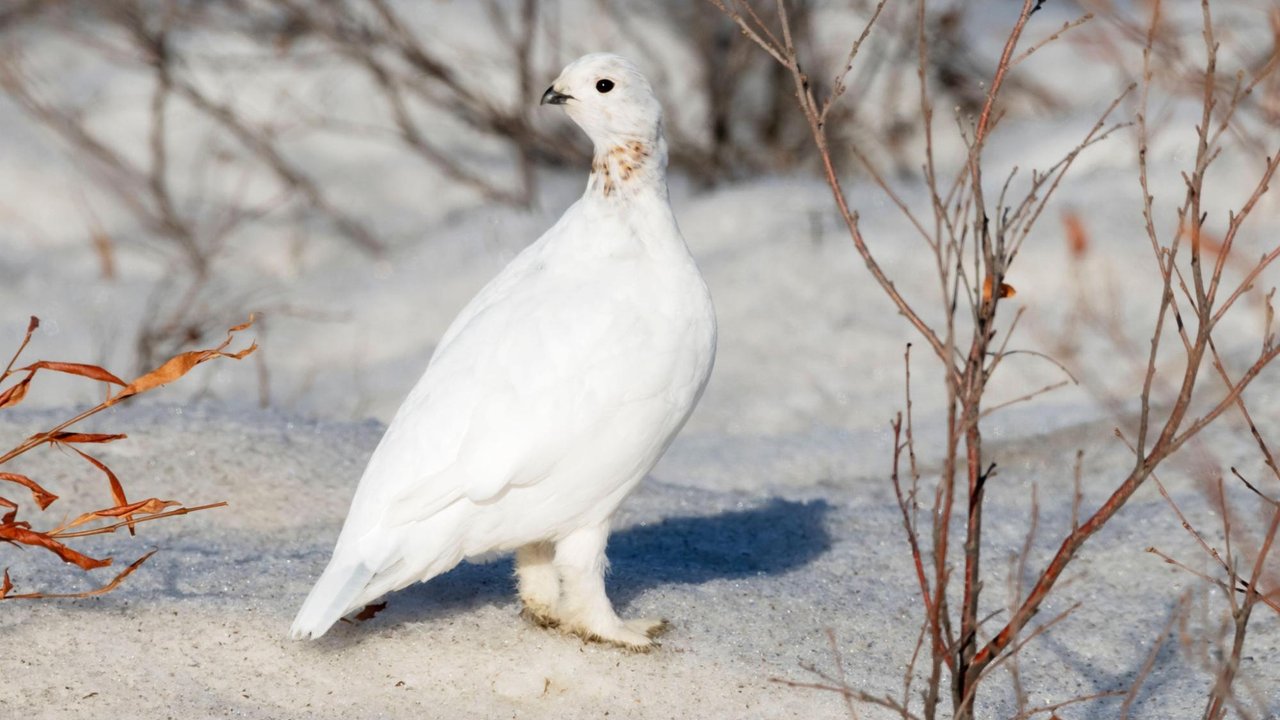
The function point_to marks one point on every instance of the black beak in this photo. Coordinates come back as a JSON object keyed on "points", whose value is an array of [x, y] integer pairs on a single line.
{"points": [[551, 97]]}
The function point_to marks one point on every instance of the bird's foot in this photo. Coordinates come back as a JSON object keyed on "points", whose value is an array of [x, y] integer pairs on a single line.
{"points": [[648, 627], [634, 635], [540, 615]]}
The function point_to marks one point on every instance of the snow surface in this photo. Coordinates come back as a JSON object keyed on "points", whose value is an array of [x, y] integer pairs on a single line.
{"points": [[751, 561], [770, 519]]}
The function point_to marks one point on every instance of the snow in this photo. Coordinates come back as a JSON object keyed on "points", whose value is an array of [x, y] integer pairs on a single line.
{"points": [[770, 519], [750, 560]]}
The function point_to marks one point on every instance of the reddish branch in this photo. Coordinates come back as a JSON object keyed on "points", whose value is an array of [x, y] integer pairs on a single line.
{"points": [[964, 231]]}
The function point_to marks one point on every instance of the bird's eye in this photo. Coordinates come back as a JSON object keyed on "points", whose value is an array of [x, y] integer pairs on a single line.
{"points": [[604, 86]]}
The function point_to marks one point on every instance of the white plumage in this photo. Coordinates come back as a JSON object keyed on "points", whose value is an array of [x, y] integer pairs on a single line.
{"points": [[550, 396]]}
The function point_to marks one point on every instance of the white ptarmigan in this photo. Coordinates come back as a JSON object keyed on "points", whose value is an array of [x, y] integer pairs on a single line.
{"points": [[549, 397]]}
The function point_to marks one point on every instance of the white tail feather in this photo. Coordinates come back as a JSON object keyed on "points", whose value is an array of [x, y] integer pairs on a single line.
{"points": [[335, 594]]}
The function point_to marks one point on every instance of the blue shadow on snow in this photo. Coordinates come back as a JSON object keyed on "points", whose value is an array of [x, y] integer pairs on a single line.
{"points": [[770, 539]]}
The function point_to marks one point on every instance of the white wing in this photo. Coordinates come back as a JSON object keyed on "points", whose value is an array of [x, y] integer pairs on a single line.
{"points": [[533, 363]]}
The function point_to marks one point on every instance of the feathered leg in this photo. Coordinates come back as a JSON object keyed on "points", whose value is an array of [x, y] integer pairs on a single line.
{"points": [[584, 608], [538, 583]]}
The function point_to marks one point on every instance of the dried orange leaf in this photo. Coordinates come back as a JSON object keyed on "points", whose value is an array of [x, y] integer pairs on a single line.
{"points": [[16, 393], [6, 586], [173, 368], [92, 372], [1211, 244], [43, 497], [370, 611], [149, 506], [62, 533], [1077, 236], [242, 326], [31, 328], [26, 536], [117, 490], [13, 511], [115, 582], [179, 365], [75, 437], [1201, 239], [242, 354], [1006, 290]]}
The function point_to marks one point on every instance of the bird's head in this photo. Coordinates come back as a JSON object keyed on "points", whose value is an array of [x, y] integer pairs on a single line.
{"points": [[608, 98]]}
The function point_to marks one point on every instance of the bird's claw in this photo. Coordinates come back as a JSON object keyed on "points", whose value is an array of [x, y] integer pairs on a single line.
{"points": [[540, 617]]}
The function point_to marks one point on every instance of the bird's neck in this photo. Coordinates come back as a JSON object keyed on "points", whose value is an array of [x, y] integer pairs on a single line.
{"points": [[630, 166]]}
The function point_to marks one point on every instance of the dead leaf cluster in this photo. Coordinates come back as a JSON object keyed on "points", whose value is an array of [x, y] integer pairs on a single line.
{"points": [[123, 513]]}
